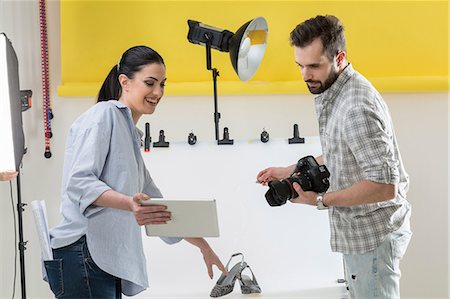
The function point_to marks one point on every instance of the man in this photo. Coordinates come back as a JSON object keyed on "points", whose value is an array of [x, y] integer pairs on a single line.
{"points": [[368, 211]]}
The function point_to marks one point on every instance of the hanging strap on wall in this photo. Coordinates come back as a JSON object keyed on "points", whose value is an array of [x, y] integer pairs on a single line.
{"points": [[47, 110]]}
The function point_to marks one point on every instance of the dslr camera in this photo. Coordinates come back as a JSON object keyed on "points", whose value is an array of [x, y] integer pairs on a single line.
{"points": [[308, 174]]}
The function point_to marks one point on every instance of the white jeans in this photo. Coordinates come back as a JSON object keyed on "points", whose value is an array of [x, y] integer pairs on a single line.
{"points": [[376, 274]]}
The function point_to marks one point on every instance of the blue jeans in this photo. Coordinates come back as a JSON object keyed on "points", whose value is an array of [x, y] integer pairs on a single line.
{"points": [[376, 274], [73, 274]]}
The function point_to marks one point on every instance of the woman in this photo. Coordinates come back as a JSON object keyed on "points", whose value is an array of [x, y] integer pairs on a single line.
{"points": [[97, 247]]}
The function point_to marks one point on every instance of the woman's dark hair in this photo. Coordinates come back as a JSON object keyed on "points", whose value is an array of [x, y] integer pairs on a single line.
{"points": [[328, 28], [132, 61]]}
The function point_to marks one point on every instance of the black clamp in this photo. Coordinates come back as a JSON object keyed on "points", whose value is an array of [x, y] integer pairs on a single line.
{"points": [[148, 138], [192, 139], [296, 138], [264, 136], [226, 137], [161, 142]]}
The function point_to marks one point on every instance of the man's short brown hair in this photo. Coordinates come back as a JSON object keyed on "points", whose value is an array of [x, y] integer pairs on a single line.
{"points": [[328, 28]]}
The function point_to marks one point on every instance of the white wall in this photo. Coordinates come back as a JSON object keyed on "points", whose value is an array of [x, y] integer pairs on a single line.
{"points": [[421, 122]]}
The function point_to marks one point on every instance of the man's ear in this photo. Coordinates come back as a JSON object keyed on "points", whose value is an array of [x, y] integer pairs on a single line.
{"points": [[340, 57], [124, 81]]}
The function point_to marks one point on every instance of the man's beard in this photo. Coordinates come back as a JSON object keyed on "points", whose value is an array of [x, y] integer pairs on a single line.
{"points": [[322, 87]]}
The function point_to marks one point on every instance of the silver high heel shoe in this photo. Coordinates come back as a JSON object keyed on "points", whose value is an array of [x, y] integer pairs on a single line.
{"points": [[248, 285], [225, 283]]}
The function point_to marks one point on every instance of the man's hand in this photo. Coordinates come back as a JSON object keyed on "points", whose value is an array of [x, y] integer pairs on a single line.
{"points": [[304, 197], [273, 173]]}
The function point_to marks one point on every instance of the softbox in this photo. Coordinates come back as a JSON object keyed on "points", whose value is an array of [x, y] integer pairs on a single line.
{"points": [[11, 131]]}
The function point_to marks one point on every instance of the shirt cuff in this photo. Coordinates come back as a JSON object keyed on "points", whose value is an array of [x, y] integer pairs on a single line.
{"points": [[171, 240], [85, 204]]}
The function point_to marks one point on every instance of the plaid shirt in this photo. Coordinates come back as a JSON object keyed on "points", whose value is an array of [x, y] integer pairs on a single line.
{"points": [[359, 143]]}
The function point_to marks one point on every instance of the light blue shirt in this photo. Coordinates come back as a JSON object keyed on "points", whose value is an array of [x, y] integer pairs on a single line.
{"points": [[103, 153]]}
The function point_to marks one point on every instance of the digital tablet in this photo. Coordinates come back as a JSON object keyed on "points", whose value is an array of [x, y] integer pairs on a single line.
{"points": [[190, 218]]}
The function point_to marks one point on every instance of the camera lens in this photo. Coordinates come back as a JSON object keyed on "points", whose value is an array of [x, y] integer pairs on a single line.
{"points": [[279, 192], [272, 199]]}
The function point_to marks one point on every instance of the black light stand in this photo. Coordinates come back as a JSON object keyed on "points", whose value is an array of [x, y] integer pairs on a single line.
{"points": [[25, 103], [22, 244], [215, 74]]}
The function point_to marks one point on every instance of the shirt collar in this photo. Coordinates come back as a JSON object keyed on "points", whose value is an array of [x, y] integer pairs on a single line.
{"points": [[140, 133], [121, 105], [118, 103], [335, 88]]}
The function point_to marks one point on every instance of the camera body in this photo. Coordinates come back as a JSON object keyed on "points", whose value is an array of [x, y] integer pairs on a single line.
{"points": [[308, 174]]}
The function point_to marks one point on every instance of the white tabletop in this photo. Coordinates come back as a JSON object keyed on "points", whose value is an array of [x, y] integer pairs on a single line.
{"points": [[287, 247]]}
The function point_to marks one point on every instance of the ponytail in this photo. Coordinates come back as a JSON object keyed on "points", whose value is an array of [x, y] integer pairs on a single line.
{"points": [[111, 89], [132, 61]]}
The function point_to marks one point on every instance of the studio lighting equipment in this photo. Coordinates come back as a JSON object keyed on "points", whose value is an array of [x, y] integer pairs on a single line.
{"points": [[11, 151], [246, 48], [11, 131]]}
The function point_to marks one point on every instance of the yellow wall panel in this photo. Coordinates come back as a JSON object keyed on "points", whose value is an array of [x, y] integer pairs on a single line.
{"points": [[400, 46]]}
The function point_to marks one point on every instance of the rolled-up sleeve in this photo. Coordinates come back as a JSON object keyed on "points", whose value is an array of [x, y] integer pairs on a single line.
{"points": [[88, 153], [370, 138]]}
